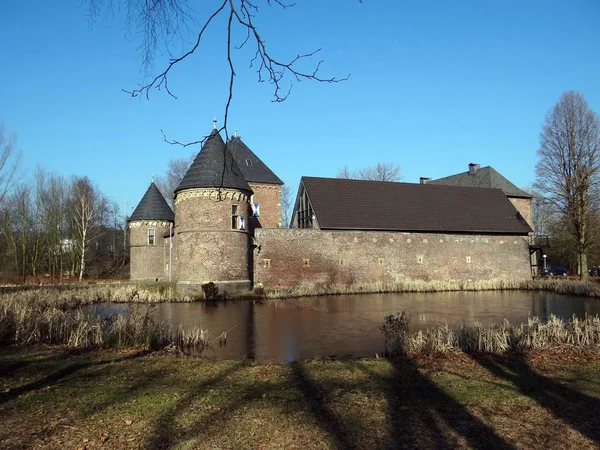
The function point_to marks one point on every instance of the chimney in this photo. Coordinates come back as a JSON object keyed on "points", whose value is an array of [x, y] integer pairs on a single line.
{"points": [[473, 168], [424, 180]]}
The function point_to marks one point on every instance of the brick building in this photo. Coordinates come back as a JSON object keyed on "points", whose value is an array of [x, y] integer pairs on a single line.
{"points": [[226, 228]]}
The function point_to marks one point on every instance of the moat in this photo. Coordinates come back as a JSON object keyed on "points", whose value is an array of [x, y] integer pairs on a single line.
{"points": [[347, 325]]}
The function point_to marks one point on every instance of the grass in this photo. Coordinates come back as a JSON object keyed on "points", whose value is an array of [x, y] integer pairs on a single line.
{"points": [[52, 397]]}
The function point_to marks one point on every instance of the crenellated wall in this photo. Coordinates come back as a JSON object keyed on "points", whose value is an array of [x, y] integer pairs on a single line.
{"points": [[298, 256]]}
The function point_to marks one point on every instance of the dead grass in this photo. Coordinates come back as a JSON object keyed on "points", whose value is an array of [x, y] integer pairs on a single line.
{"points": [[55, 398], [27, 319], [558, 285], [583, 334]]}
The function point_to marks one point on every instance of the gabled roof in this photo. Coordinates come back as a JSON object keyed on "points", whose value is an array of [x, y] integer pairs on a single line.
{"points": [[152, 206], [484, 177], [378, 205], [253, 169], [214, 167]]}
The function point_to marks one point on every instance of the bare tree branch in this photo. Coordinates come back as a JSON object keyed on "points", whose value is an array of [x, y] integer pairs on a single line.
{"points": [[382, 171], [161, 20], [568, 168], [10, 159]]}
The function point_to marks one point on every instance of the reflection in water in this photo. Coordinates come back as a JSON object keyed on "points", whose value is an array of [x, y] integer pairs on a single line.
{"points": [[347, 325]]}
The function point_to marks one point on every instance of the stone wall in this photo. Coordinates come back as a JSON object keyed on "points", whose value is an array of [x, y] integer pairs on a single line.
{"points": [[147, 262], [523, 205], [295, 256], [206, 248], [268, 196]]}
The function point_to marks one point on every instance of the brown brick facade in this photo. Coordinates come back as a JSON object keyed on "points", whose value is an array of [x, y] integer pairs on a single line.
{"points": [[295, 256], [268, 196], [206, 247], [523, 205], [147, 260]]}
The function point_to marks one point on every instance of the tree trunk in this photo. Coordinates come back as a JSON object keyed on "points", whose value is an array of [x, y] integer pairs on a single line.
{"points": [[82, 265], [583, 264]]}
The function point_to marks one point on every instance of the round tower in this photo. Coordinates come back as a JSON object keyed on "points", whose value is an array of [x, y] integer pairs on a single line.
{"points": [[212, 206], [150, 223]]}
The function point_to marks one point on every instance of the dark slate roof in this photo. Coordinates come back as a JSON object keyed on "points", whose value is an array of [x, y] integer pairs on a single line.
{"points": [[485, 177], [253, 169], [214, 167], [152, 206], [377, 205]]}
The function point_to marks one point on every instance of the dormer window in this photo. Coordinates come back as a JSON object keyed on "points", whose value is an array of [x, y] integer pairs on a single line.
{"points": [[151, 236], [249, 162]]}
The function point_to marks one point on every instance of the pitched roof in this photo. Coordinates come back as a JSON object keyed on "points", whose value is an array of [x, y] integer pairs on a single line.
{"points": [[214, 167], [152, 206], [485, 177], [378, 205], [253, 169]]}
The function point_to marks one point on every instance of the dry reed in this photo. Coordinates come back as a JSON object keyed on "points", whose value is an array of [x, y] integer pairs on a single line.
{"points": [[560, 286], [26, 319], [535, 334]]}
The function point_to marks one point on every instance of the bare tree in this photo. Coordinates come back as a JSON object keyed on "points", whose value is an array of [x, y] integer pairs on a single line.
{"points": [[89, 210], [10, 158], [568, 168], [382, 171], [286, 205], [163, 23], [175, 173]]}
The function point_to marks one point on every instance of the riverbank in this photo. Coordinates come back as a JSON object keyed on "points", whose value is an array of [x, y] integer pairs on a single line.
{"points": [[51, 397], [75, 295]]}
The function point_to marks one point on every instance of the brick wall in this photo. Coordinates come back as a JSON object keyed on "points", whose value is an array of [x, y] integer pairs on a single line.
{"points": [[523, 205], [147, 261], [268, 196], [295, 256], [206, 248]]}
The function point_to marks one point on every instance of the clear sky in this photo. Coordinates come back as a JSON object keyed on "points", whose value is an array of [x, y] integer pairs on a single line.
{"points": [[434, 86]]}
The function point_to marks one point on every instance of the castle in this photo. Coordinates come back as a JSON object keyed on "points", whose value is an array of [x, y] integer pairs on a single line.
{"points": [[225, 227]]}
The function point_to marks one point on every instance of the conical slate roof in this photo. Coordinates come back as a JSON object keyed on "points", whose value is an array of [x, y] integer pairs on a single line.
{"points": [[214, 167], [253, 169], [152, 207]]}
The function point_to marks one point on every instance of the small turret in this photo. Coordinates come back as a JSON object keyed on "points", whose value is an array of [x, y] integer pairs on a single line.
{"points": [[151, 220]]}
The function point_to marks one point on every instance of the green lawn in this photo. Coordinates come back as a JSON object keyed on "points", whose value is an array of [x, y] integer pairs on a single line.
{"points": [[56, 398]]}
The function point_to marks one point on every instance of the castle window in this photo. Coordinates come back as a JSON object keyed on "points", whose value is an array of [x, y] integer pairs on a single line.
{"points": [[234, 217], [151, 235], [249, 162]]}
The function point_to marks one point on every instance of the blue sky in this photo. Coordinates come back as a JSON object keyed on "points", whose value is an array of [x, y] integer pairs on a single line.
{"points": [[434, 85]]}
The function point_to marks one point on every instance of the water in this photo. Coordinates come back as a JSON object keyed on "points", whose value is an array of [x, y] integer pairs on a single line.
{"points": [[347, 325]]}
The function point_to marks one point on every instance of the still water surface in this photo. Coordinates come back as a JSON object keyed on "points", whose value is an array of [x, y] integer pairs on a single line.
{"points": [[347, 325]]}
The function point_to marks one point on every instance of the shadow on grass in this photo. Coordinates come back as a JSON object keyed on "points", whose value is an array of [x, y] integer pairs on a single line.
{"points": [[165, 434], [60, 374], [580, 411], [419, 411], [316, 403]]}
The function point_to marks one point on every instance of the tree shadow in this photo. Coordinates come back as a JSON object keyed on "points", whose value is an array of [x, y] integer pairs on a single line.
{"points": [[165, 434], [62, 373], [419, 410], [316, 404], [579, 410]]}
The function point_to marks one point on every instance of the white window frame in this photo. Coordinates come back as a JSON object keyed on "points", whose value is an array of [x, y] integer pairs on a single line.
{"points": [[151, 236]]}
